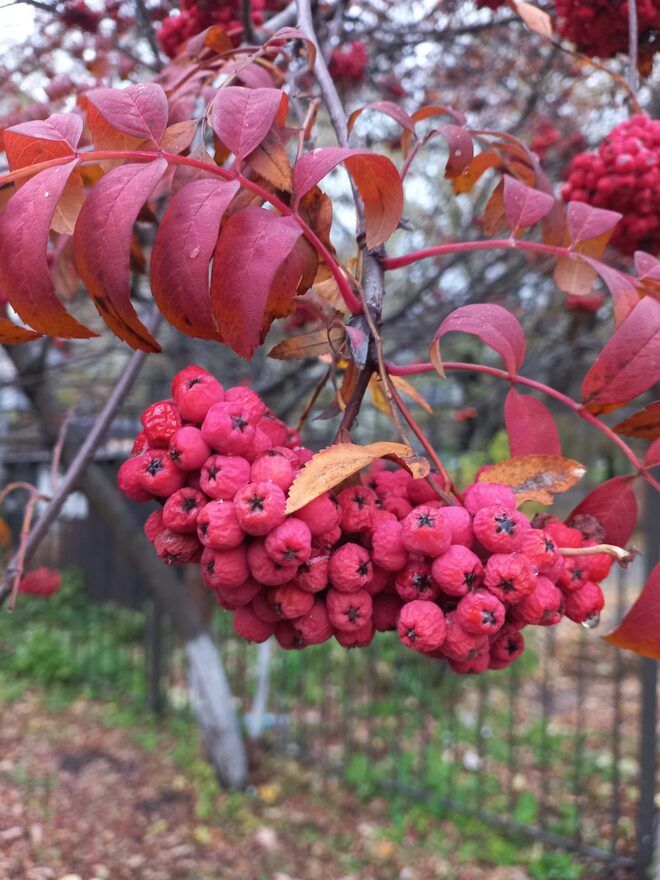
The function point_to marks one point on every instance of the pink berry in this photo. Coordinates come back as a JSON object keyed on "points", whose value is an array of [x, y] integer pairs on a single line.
{"points": [[218, 526], [421, 626], [480, 613], [289, 601], [415, 582], [387, 546], [314, 625], [506, 647], [248, 626], [426, 531], [357, 638], [182, 509], [499, 528], [509, 576], [312, 575], [223, 475], [358, 504], [457, 571], [273, 467], [129, 480], [321, 515], [386, 609], [227, 429], [252, 404], [543, 606], [460, 523], [195, 391], [479, 495], [264, 569], [158, 475], [459, 644], [350, 568], [289, 542], [160, 421], [177, 549], [260, 507], [349, 611], [187, 448], [224, 568], [584, 605]]}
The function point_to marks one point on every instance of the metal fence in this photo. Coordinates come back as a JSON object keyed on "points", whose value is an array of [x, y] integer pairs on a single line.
{"points": [[561, 747]]}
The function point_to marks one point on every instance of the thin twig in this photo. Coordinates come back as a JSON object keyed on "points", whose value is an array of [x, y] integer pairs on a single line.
{"points": [[246, 20], [320, 385], [146, 29], [57, 452], [633, 46], [82, 458]]}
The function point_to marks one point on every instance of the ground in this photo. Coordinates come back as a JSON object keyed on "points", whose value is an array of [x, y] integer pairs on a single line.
{"points": [[88, 790]]}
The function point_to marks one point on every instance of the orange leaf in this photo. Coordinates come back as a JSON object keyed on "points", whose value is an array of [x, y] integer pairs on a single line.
{"points": [[645, 423], [309, 345], [271, 161], [406, 388], [535, 477], [536, 19], [477, 167], [333, 465], [639, 631], [12, 334]]}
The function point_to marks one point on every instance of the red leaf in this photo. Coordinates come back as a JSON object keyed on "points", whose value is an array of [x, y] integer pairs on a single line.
{"points": [[252, 248], [375, 176], [139, 111], [530, 426], [242, 118], [289, 33], [639, 631], [24, 273], [495, 326], [40, 140], [398, 114], [644, 423], [182, 255], [523, 205], [614, 505], [630, 362], [12, 334], [461, 148], [652, 457], [102, 246], [646, 266], [585, 222], [620, 285]]}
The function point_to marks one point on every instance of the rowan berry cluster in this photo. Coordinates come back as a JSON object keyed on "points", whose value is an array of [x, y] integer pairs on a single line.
{"points": [[457, 582], [197, 15], [624, 176], [350, 63], [550, 144], [600, 27]]}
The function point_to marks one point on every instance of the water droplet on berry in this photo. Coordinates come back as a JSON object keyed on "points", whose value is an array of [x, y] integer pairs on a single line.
{"points": [[194, 253], [46, 194], [591, 622]]}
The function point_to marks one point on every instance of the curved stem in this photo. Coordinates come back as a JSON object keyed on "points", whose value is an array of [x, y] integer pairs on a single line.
{"points": [[414, 369], [482, 245]]}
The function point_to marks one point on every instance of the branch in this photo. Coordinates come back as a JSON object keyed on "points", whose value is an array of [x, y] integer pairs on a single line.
{"points": [[414, 369], [246, 20], [633, 45], [82, 458], [146, 29]]}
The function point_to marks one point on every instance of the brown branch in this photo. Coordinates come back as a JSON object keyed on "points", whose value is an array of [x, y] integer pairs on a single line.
{"points": [[246, 20], [57, 452], [633, 45], [84, 455]]}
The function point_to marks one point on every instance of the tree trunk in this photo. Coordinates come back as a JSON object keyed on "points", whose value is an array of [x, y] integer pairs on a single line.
{"points": [[209, 690]]}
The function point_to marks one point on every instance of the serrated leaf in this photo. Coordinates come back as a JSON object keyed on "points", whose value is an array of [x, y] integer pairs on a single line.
{"points": [[316, 343], [639, 630], [375, 176], [24, 273], [12, 334], [630, 362], [614, 505], [530, 426], [242, 117], [523, 205], [102, 246], [645, 423], [493, 325], [333, 465], [535, 477], [139, 111], [250, 252], [182, 254]]}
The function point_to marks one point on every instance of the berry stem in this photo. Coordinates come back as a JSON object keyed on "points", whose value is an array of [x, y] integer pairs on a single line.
{"points": [[414, 369], [622, 556]]}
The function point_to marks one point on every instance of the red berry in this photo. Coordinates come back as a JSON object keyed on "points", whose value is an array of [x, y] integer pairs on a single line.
{"points": [[154, 525], [158, 475], [460, 523], [575, 573], [260, 507], [509, 576], [426, 531], [273, 467], [358, 638], [584, 605], [182, 509], [350, 568], [224, 568], [421, 626], [387, 546], [457, 571], [187, 448], [459, 644], [232, 598], [416, 582], [227, 429], [544, 606], [289, 542], [249, 400], [479, 495], [195, 391], [289, 601], [314, 625], [248, 626], [129, 480], [349, 611], [539, 548], [160, 421], [223, 475], [312, 575], [322, 515], [499, 528], [506, 647], [264, 569], [218, 526], [177, 549], [480, 613], [358, 504], [386, 609]]}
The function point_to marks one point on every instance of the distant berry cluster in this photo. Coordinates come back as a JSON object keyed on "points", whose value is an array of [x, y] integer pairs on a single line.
{"points": [[624, 176], [349, 64], [600, 27], [550, 144], [457, 582], [197, 15]]}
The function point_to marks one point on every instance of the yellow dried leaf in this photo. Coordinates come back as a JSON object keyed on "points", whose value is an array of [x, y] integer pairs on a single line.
{"points": [[317, 343], [535, 477], [333, 465]]}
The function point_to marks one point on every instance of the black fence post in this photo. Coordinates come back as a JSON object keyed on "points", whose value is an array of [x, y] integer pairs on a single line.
{"points": [[646, 813], [154, 650]]}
